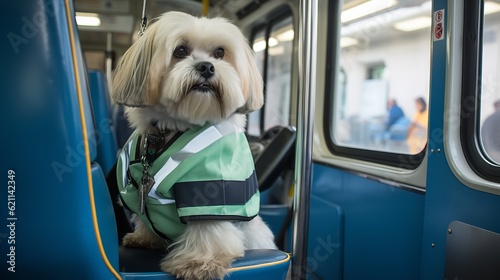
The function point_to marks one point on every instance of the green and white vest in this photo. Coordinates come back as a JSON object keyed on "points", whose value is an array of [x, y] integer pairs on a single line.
{"points": [[207, 173]]}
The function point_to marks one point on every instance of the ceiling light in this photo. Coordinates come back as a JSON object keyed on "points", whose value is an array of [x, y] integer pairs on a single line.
{"points": [[366, 8], [285, 36], [347, 42], [413, 24], [88, 19], [259, 45], [272, 42], [491, 7]]}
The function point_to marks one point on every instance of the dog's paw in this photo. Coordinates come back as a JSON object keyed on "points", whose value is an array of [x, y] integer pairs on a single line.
{"points": [[199, 269], [137, 240]]}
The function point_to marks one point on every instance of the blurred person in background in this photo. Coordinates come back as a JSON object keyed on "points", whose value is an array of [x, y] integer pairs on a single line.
{"points": [[490, 134], [417, 131]]}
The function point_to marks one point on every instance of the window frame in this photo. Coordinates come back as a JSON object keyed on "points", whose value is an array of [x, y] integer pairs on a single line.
{"points": [[471, 90], [405, 161], [267, 26]]}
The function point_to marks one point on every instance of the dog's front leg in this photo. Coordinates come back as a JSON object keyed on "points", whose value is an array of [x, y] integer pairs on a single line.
{"points": [[142, 237], [205, 250]]}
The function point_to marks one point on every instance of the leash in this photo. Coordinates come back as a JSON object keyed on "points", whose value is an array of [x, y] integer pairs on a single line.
{"points": [[155, 142], [144, 19]]}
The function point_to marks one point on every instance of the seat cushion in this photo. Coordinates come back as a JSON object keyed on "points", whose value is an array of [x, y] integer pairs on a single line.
{"points": [[256, 264], [260, 264]]}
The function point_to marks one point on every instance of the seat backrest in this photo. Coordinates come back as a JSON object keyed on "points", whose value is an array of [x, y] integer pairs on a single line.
{"points": [[49, 148], [107, 146], [276, 155], [123, 129]]}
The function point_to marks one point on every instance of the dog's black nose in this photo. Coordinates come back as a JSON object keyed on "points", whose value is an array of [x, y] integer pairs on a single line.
{"points": [[206, 69]]}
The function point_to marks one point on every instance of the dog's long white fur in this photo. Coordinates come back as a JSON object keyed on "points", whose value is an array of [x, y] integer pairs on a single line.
{"points": [[159, 87], [205, 250], [149, 75], [213, 246]]}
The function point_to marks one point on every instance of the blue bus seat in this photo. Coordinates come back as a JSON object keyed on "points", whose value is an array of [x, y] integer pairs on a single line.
{"points": [[276, 155], [64, 222], [122, 127], [274, 163], [256, 264], [64, 228], [107, 146]]}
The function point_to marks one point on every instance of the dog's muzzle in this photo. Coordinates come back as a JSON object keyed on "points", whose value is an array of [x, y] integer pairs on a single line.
{"points": [[203, 87], [206, 69]]}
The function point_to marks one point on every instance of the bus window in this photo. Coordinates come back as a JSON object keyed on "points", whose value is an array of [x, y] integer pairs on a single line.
{"points": [[259, 46], [490, 86], [273, 52], [480, 108], [279, 71], [382, 85]]}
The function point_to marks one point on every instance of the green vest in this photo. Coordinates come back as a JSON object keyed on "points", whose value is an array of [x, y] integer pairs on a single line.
{"points": [[207, 173]]}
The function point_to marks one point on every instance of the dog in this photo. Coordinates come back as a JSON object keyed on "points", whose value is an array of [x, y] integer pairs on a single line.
{"points": [[187, 172]]}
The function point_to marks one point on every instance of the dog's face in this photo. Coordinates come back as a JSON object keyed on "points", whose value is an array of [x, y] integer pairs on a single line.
{"points": [[188, 70]]}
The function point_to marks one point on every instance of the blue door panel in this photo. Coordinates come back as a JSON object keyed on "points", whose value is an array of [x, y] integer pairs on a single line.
{"points": [[326, 240], [449, 200], [381, 225]]}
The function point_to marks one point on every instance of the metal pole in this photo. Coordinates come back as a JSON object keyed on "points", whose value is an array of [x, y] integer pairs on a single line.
{"points": [[308, 12], [109, 58]]}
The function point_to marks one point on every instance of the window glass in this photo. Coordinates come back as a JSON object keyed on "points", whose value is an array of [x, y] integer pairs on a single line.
{"points": [[279, 69], [382, 88], [259, 47], [273, 54], [490, 84]]}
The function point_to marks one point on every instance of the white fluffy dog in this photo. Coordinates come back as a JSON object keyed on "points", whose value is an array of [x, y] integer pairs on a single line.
{"points": [[187, 172]]}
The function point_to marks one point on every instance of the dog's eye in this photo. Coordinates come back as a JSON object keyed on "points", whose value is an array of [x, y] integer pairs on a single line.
{"points": [[181, 52], [219, 53]]}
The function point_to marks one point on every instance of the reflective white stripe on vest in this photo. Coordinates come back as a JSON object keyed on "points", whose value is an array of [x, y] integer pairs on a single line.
{"points": [[200, 142], [125, 157]]}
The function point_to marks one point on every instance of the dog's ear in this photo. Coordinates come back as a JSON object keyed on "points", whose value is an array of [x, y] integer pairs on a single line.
{"points": [[252, 84], [132, 76]]}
